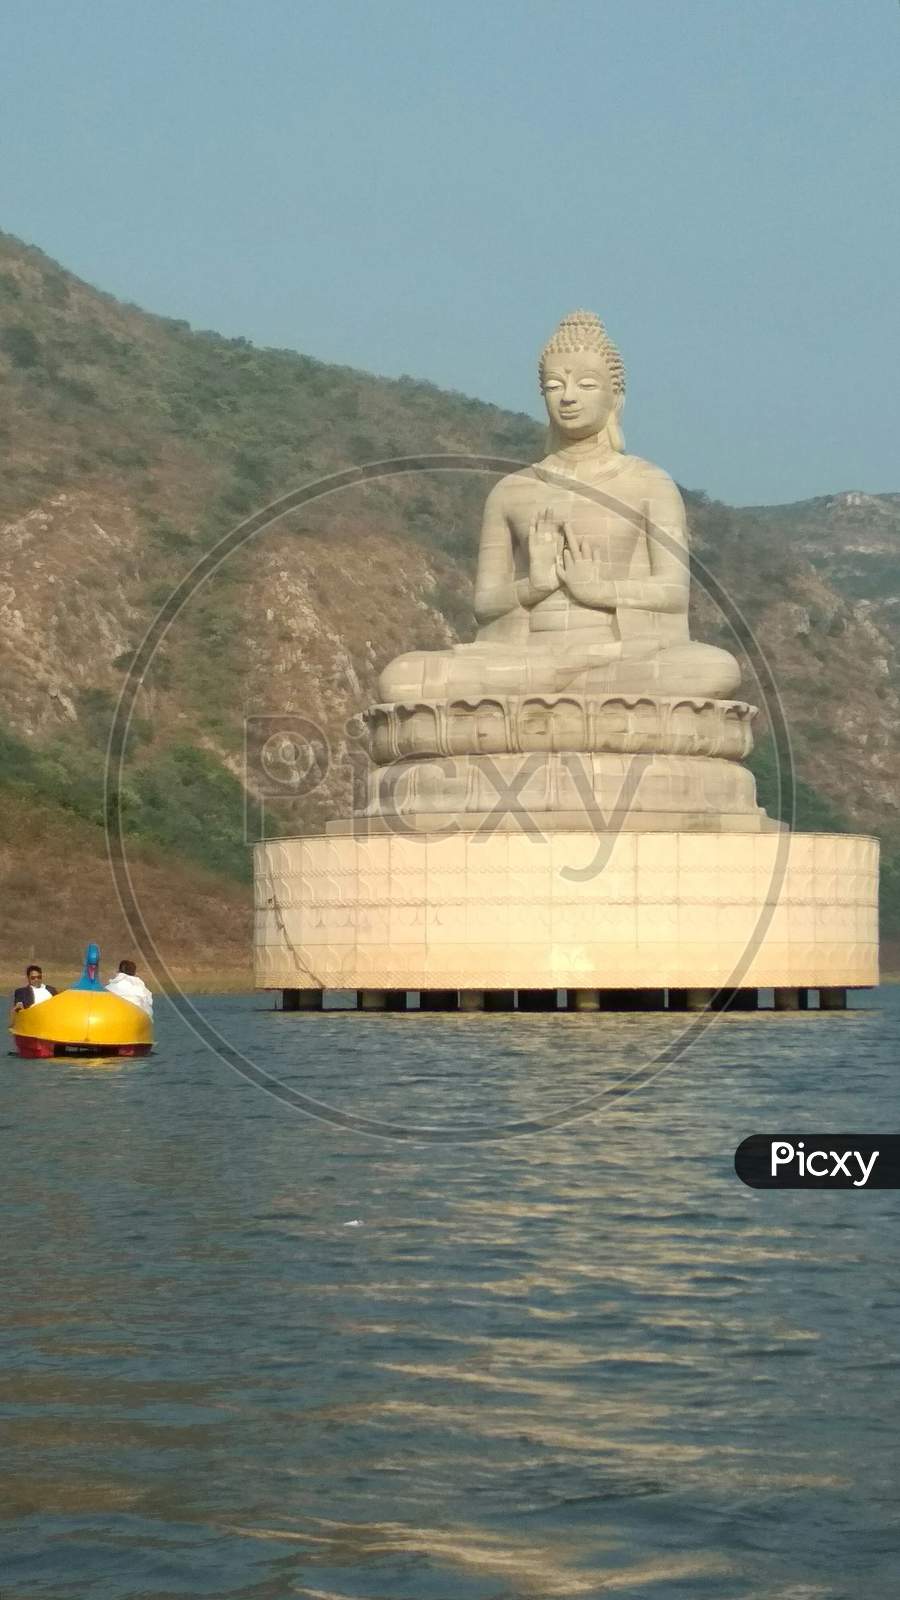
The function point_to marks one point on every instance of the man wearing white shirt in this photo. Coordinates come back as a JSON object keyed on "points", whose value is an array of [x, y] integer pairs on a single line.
{"points": [[128, 986]]}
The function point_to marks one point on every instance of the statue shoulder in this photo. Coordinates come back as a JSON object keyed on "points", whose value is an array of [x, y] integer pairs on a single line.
{"points": [[652, 479], [514, 481], [509, 491]]}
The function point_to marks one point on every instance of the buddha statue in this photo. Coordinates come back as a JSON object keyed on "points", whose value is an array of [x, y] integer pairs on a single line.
{"points": [[583, 571], [583, 697]]}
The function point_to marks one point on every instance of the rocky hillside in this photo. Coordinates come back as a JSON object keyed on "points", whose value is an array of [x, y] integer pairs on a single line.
{"points": [[131, 444], [820, 583]]}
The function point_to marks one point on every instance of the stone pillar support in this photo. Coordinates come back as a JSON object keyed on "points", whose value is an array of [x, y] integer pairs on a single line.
{"points": [[738, 1000], [471, 999], [582, 999], [537, 999], [439, 999], [302, 999], [499, 999], [372, 999], [632, 999], [698, 999], [832, 999]]}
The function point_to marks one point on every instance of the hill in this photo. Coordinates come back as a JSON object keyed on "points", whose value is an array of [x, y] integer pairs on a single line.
{"points": [[131, 444], [56, 892]]}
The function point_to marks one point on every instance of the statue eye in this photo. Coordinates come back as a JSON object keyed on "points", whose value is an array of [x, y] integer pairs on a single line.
{"points": [[552, 383], [588, 383]]}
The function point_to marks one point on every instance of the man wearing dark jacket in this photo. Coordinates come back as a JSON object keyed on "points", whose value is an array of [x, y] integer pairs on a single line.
{"points": [[34, 991]]}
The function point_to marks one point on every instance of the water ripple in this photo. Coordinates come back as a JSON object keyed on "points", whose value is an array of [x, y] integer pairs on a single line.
{"points": [[582, 1363]]}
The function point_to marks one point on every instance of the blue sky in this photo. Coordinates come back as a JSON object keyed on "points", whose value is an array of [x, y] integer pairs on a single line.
{"points": [[405, 186]]}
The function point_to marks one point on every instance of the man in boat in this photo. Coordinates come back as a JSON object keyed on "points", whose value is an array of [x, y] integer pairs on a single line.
{"points": [[33, 992], [128, 986]]}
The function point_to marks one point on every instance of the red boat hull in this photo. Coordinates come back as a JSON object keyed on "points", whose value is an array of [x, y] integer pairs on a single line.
{"points": [[47, 1050]]}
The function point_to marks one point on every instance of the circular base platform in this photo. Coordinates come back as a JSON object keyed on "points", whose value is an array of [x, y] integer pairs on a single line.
{"points": [[493, 910]]}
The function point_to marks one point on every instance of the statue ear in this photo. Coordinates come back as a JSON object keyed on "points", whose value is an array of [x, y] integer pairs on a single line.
{"points": [[614, 428]]}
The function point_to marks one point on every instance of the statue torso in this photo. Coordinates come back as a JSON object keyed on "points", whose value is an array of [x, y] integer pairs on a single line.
{"points": [[606, 509]]}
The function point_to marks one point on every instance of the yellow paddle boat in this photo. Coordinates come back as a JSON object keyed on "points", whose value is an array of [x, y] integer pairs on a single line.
{"points": [[83, 1020]]}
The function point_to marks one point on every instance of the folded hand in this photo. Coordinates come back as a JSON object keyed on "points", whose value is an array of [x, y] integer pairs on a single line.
{"points": [[543, 552], [578, 572]]}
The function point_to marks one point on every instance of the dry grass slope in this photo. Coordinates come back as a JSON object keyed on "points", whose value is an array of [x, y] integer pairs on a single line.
{"points": [[56, 892]]}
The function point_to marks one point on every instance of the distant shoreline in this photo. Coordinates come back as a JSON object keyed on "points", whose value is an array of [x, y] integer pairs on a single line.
{"points": [[188, 979]]}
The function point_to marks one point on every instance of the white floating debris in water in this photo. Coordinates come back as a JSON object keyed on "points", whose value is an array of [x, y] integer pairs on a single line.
{"points": [[356, 1223]]}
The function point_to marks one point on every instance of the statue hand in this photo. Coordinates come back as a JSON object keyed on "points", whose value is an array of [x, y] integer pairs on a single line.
{"points": [[543, 553], [578, 573]]}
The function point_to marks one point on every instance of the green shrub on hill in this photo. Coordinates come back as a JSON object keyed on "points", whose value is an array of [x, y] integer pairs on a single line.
{"points": [[813, 813], [190, 803], [890, 893], [186, 801], [20, 343]]}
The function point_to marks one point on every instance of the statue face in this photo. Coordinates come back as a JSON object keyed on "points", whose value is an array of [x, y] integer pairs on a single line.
{"points": [[578, 394]]}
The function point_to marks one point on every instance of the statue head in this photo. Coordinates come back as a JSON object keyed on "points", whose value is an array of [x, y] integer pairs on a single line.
{"points": [[582, 380]]}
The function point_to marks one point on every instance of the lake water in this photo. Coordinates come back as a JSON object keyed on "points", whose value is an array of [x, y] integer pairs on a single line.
{"points": [[249, 1353]]}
